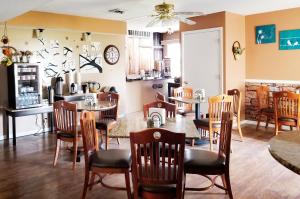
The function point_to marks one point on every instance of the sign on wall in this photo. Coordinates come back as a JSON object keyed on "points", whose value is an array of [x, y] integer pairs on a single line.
{"points": [[265, 34], [289, 40]]}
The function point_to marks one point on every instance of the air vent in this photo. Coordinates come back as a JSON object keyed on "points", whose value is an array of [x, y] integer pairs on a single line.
{"points": [[117, 11], [137, 33]]}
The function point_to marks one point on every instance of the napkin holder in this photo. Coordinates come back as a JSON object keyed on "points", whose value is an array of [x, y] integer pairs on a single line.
{"points": [[159, 113], [90, 99]]}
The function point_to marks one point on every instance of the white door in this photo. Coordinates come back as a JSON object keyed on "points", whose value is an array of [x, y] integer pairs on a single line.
{"points": [[202, 61]]}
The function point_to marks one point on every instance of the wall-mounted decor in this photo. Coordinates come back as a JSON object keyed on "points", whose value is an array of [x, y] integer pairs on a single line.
{"points": [[90, 59], [111, 54], [289, 40], [265, 34], [237, 49]]}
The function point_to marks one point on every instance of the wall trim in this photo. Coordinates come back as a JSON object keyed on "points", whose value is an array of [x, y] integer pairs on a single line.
{"points": [[26, 133], [272, 81]]}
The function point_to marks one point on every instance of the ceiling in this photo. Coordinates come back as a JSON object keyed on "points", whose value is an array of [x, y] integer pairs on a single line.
{"points": [[136, 10]]}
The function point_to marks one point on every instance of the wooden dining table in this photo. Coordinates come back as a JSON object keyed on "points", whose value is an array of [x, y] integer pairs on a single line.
{"points": [[285, 148], [134, 122], [197, 103]]}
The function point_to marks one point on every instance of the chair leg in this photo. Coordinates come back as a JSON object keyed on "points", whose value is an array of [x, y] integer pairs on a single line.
{"points": [[258, 120], [224, 182], [56, 152], [267, 122], [193, 142], [127, 180], [86, 183], [228, 186], [92, 181], [239, 127], [291, 128], [75, 153], [276, 128]]}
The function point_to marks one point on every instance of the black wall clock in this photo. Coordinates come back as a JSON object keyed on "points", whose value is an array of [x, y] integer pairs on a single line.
{"points": [[111, 54]]}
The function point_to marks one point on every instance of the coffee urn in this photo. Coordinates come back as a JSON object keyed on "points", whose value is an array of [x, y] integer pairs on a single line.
{"points": [[59, 86]]}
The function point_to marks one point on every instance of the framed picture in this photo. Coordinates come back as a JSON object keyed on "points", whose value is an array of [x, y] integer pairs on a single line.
{"points": [[289, 40], [265, 34]]}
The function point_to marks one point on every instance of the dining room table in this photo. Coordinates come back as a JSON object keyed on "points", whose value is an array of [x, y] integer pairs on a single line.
{"points": [[285, 148], [134, 122], [195, 101], [98, 106]]}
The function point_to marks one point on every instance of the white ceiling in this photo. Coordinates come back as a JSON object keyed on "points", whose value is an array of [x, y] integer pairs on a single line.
{"points": [[136, 9]]}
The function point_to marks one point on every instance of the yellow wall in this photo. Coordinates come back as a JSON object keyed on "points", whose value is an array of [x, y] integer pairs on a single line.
{"points": [[266, 61], [60, 21]]}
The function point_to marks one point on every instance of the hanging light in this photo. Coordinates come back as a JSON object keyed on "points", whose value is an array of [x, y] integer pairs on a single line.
{"points": [[34, 33], [40, 33], [83, 37]]}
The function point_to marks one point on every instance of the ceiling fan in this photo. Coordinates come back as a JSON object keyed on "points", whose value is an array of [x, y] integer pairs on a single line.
{"points": [[165, 14]]}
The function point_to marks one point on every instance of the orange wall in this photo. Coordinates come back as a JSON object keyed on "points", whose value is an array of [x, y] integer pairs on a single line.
{"points": [[60, 21], [266, 61]]}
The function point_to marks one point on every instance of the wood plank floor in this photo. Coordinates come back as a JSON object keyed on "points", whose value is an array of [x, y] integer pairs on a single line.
{"points": [[26, 171]]}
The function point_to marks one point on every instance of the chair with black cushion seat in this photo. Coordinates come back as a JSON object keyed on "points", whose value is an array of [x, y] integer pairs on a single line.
{"points": [[263, 102], [160, 97], [157, 172], [99, 162], [108, 119], [212, 124], [236, 107], [287, 110], [206, 163], [170, 108], [65, 127]]}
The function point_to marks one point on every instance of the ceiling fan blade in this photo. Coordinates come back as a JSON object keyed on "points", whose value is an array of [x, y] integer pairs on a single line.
{"points": [[189, 13], [153, 22], [185, 20]]}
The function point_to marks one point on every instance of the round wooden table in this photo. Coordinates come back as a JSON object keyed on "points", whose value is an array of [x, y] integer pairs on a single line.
{"points": [[100, 106], [285, 148]]}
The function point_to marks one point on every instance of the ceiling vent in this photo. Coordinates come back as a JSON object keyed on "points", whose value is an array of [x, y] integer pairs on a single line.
{"points": [[117, 11]]}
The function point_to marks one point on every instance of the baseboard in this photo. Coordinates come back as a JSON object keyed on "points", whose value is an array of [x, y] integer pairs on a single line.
{"points": [[21, 134]]}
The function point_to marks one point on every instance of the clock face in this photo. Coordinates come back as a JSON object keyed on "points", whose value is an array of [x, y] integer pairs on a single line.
{"points": [[111, 54]]}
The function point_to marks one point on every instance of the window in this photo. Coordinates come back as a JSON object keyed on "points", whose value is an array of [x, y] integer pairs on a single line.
{"points": [[172, 51]]}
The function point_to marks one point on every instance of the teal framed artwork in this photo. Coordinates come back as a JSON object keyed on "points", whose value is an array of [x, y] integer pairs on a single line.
{"points": [[289, 40], [265, 34]]}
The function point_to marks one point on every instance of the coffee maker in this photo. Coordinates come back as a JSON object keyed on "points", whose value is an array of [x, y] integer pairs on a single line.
{"points": [[59, 86]]}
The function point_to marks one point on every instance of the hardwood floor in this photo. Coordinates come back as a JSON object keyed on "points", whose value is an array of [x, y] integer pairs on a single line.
{"points": [[26, 171]]}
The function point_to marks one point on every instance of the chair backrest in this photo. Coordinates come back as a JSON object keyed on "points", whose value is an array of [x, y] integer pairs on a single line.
{"points": [[111, 113], [160, 97], [89, 135], [183, 92], [160, 165], [236, 101], [65, 117], [217, 105], [170, 108], [262, 96], [225, 137], [286, 104]]}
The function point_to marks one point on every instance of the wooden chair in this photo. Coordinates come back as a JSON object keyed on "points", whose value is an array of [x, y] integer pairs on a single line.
{"points": [[99, 162], [203, 162], [66, 128], [160, 97], [108, 119], [236, 105], [184, 92], [170, 108], [287, 110], [212, 124], [262, 95], [157, 172]]}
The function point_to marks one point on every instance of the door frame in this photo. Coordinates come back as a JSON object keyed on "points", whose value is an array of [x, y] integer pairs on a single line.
{"points": [[221, 61]]}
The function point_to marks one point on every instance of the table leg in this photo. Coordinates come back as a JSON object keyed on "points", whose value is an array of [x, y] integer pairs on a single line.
{"points": [[6, 122], [51, 122], [14, 130]]}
